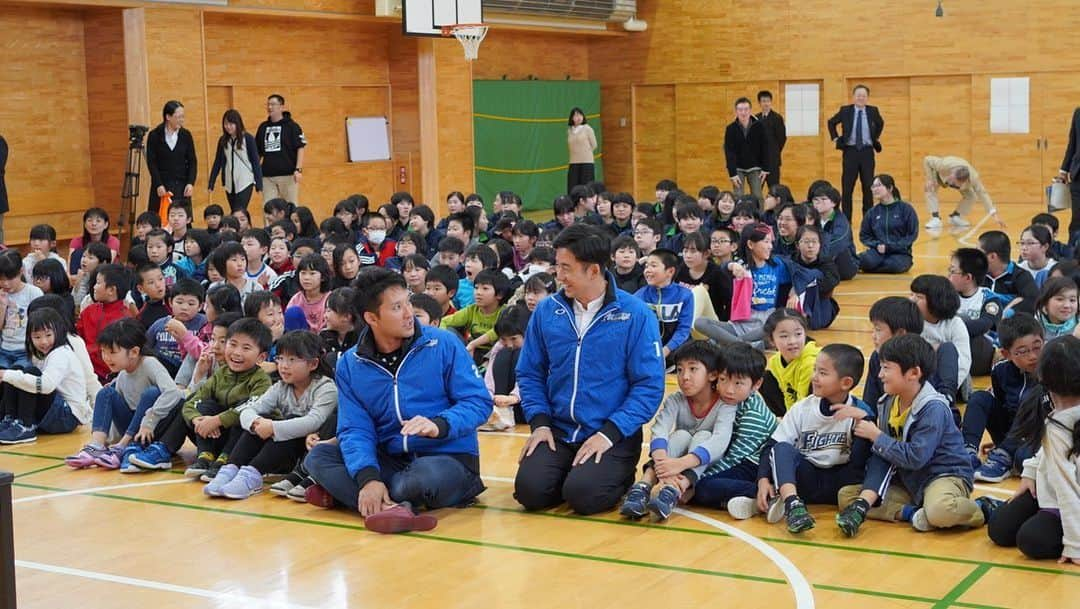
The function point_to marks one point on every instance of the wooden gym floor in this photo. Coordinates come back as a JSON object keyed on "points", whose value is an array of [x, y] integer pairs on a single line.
{"points": [[103, 539]]}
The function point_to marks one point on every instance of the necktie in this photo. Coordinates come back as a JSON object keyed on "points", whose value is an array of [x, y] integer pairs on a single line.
{"points": [[858, 129]]}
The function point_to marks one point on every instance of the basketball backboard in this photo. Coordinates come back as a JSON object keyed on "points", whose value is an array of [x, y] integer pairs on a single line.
{"points": [[427, 17]]}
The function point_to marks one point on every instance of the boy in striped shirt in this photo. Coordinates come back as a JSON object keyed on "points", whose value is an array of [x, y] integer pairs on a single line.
{"points": [[813, 453], [734, 474]]}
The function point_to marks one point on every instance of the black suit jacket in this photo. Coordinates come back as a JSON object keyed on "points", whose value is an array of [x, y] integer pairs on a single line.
{"points": [[1071, 162], [3, 185], [777, 135], [846, 118], [744, 152]]}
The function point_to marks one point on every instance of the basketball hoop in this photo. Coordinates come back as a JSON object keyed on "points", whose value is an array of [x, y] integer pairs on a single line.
{"points": [[470, 35]]}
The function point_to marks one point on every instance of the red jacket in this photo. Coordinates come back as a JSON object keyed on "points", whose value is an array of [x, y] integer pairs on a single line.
{"points": [[369, 256], [91, 321]]}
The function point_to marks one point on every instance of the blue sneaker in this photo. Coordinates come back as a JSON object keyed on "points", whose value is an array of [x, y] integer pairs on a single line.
{"points": [[155, 456], [988, 505], [998, 467], [664, 502], [18, 433], [224, 476], [6, 422], [634, 506], [126, 466], [973, 455]]}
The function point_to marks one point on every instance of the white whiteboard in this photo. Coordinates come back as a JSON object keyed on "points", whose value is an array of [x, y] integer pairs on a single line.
{"points": [[369, 138]]}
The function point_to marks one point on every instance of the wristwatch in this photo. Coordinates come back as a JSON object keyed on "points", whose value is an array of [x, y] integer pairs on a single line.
{"points": [[299, 170]]}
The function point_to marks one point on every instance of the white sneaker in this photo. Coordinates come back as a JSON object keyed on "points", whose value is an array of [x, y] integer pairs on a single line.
{"points": [[959, 221], [919, 522], [776, 511], [742, 508], [933, 222]]}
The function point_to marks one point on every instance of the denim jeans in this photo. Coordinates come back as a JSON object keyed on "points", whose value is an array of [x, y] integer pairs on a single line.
{"points": [[58, 419], [434, 481], [111, 409], [13, 359], [739, 481]]}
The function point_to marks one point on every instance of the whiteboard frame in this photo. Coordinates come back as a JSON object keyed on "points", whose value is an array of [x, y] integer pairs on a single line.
{"points": [[349, 141]]}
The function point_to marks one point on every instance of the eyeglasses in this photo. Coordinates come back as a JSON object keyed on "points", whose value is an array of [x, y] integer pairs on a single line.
{"points": [[1025, 351], [719, 241]]}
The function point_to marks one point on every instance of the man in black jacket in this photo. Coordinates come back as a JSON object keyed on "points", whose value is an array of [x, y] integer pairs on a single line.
{"points": [[3, 185], [862, 126], [170, 157], [1070, 173], [746, 150], [776, 133], [281, 145]]}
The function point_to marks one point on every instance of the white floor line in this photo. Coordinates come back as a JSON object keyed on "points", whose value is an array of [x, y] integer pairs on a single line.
{"points": [[966, 238], [804, 594], [220, 598], [993, 490], [497, 479], [508, 434], [99, 489]]}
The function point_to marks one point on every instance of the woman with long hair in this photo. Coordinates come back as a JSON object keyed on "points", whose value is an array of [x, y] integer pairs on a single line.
{"points": [[581, 141], [237, 159]]}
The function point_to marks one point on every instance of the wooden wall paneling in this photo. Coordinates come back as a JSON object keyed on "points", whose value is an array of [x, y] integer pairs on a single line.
{"points": [[803, 156], [106, 95], [892, 97], [1054, 98], [701, 116], [455, 117], [359, 7], [427, 95], [404, 84], [616, 116], [516, 55], [1012, 163], [940, 126], [654, 138]]}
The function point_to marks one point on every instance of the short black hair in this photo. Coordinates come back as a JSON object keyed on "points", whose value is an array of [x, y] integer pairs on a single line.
{"points": [[847, 360], [149, 217], [541, 254], [211, 210], [667, 185], [742, 100], [278, 205], [624, 242], [164, 235], [222, 253], [909, 351], [622, 198], [101, 251], [1047, 220], [400, 196], [764, 93], [1014, 328], [441, 273], [579, 192], [703, 351], [340, 301], [668, 258], [527, 228], [334, 228], [898, 313], [586, 243], [258, 234], [285, 225], [740, 359], [466, 221], [425, 213], [257, 301], [562, 204], [827, 191], [10, 264], [125, 333], [225, 298], [204, 240], [487, 256], [689, 210], [1058, 363], [187, 287], [746, 209], [115, 277], [183, 206], [451, 245], [942, 301], [58, 303], [418, 261], [226, 319], [972, 261], [996, 242], [315, 262], [428, 305], [497, 280], [652, 224], [512, 321], [54, 271], [369, 285], [43, 231], [253, 329]]}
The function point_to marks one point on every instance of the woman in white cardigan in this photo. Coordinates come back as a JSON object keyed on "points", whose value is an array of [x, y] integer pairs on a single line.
{"points": [[581, 141]]}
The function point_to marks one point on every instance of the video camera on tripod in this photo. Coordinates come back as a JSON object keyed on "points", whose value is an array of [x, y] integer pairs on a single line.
{"points": [[136, 133], [129, 192]]}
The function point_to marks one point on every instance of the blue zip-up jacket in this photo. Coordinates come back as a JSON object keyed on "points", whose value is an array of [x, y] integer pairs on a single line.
{"points": [[1010, 385], [567, 377], [837, 236], [930, 445], [895, 224], [436, 378], [673, 306]]}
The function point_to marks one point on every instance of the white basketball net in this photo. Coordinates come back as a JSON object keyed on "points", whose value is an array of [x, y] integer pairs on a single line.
{"points": [[470, 37]]}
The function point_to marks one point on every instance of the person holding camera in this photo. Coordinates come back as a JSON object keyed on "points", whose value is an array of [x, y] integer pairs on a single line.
{"points": [[170, 157]]}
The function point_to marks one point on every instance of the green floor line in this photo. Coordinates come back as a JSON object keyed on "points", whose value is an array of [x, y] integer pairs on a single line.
{"points": [[55, 458], [786, 541], [487, 544], [962, 587], [38, 470]]}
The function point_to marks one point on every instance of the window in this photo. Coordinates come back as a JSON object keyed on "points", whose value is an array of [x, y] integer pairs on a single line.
{"points": [[1009, 105], [802, 106]]}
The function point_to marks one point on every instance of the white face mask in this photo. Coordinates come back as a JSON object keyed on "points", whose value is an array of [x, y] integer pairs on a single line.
{"points": [[376, 236]]}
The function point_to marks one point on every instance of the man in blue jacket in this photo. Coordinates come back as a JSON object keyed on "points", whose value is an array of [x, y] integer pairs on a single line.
{"points": [[410, 400], [590, 374]]}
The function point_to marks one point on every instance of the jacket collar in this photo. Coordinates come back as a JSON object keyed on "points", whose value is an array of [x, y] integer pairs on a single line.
{"points": [[609, 292], [365, 344]]}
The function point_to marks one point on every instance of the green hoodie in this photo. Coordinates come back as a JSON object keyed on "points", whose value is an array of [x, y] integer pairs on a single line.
{"points": [[230, 390]]}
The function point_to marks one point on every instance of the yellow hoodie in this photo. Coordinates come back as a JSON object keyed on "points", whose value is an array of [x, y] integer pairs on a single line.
{"points": [[794, 378]]}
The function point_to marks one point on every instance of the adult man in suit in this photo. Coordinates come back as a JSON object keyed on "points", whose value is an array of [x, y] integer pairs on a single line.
{"points": [[862, 126], [746, 151], [1070, 173], [776, 134]]}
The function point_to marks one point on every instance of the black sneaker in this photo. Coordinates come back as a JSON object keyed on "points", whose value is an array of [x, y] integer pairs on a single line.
{"points": [[798, 518], [214, 468], [851, 518], [200, 466]]}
